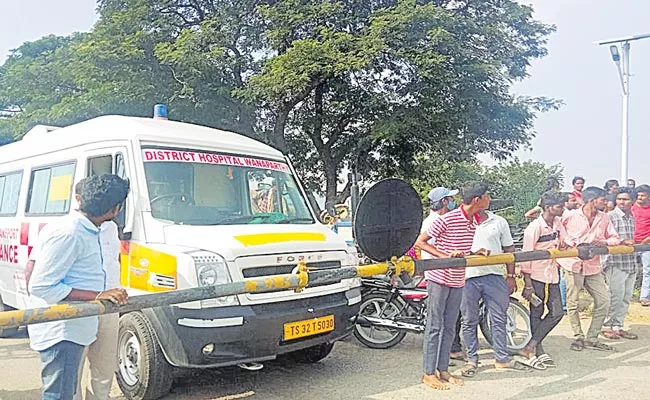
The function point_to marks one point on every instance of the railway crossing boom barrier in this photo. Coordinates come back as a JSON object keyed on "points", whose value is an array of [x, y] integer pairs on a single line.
{"points": [[387, 222], [302, 278]]}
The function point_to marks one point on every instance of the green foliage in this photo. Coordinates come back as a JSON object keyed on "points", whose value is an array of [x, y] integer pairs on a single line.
{"points": [[520, 183], [366, 84]]}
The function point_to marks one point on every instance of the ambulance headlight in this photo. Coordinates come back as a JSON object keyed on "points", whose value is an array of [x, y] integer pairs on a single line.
{"points": [[211, 269], [207, 275]]}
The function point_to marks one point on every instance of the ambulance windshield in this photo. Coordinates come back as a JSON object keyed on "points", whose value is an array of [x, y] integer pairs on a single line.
{"points": [[198, 188]]}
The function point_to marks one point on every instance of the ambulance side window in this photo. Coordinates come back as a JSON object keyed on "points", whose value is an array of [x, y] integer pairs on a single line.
{"points": [[50, 189], [120, 167], [9, 191], [100, 165]]}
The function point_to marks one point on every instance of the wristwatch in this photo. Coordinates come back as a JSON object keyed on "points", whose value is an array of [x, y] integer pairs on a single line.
{"points": [[511, 275]]}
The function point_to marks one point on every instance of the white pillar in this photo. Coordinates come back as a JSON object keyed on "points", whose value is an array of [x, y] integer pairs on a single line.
{"points": [[626, 109]]}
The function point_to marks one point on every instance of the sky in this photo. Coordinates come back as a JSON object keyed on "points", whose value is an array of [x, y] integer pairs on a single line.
{"points": [[584, 135]]}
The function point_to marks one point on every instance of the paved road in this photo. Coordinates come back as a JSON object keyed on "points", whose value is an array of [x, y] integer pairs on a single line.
{"points": [[355, 372]]}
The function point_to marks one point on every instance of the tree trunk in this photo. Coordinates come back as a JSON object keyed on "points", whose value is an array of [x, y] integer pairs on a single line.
{"points": [[278, 140], [325, 151], [330, 183]]}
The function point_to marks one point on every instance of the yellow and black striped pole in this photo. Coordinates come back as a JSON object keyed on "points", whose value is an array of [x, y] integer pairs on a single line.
{"points": [[583, 252]]}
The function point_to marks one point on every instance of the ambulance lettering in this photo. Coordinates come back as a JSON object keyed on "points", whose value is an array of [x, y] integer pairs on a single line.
{"points": [[209, 158], [9, 245]]}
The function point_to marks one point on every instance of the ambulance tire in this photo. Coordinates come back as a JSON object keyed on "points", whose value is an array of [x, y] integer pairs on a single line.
{"points": [[7, 332], [143, 372]]}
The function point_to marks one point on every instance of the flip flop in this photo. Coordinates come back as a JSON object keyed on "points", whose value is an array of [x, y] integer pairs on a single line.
{"points": [[610, 334], [547, 360], [534, 363], [627, 335], [577, 345], [469, 370], [598, 346], [515, 366]]}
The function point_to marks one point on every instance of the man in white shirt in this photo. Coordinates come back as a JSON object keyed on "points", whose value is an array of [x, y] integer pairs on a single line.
{"points": [[491, 284]]}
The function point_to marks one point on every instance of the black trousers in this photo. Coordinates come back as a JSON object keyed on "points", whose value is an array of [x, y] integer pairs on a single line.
{"points": [[542, 326]]}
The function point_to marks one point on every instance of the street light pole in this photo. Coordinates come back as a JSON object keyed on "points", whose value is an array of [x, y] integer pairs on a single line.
{"points": [[625, 142], [624, 75]]}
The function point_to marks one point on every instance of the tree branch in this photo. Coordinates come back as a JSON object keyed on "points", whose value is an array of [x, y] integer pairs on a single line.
{"points": [[345, 193], [186, 22], [337, 131]]}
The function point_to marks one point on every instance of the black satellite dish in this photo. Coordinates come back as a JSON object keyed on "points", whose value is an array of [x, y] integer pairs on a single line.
{"points": [[388, 219]]}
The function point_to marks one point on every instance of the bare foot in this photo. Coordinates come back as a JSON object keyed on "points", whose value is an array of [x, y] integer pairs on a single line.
{"points": [[526, 352], [434, 383], [447, 377]]}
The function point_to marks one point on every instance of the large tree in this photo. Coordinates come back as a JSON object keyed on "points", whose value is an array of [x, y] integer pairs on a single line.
{"points": [[366, 84]]}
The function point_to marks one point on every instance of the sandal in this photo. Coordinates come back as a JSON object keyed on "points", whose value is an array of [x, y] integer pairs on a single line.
{"points": [[627, 335], [610, 334], [534, 363], [597, 346], [514, 365], [469, 370], [547, 360], [645, 303], [577, 345]]}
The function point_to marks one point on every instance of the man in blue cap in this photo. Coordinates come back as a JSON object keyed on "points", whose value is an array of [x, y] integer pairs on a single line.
{"points": [[441, 201]]}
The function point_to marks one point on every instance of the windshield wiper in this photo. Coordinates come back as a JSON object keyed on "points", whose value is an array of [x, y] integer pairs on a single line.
{"points": [[234, 220], [294, 219]]}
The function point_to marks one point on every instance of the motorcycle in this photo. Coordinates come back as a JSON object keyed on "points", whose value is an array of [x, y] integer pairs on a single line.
{"points": [[389, 311]]}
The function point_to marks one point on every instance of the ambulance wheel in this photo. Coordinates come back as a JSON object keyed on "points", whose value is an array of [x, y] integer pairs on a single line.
{"points": [[143, 372], [7, 332]]}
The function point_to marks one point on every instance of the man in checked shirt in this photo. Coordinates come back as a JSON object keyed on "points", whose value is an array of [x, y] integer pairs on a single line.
{"points": [[620, 270]]}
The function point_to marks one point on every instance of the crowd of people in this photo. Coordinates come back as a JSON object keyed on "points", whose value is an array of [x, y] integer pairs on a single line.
{"points": [[77, 259], [612, 215]]}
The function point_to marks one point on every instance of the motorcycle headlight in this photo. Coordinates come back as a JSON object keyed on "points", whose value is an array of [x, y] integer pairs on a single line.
{"points": [[211, 269]]}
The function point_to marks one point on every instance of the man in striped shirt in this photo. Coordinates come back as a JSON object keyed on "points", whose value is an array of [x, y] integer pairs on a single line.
{"points": [[454, 235]]}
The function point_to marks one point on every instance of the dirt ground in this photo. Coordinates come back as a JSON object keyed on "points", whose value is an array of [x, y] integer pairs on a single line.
{"points": [[355, 372]]}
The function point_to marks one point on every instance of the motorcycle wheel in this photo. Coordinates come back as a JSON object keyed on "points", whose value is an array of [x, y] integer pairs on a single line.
{"points": [[518, 332], [379, 338]]}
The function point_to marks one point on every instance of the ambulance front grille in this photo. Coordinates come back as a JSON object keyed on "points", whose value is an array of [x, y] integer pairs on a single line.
{"points": [[254, 272]]}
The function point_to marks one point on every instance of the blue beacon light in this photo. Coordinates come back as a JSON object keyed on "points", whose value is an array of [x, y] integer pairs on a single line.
{"points": [[160, 111]]}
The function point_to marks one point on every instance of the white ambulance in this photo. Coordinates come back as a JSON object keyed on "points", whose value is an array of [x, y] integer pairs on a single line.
{"points": [[206, 207]]}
